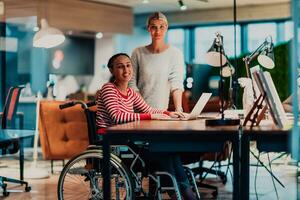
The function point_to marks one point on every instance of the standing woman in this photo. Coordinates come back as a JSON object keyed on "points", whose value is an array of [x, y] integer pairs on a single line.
{"points": [[158, 67]]}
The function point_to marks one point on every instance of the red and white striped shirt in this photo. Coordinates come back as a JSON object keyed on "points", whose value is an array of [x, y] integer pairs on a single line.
{"points": [[113, 107]]}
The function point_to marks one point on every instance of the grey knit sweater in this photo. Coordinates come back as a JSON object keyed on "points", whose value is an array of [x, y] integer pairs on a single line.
{"points": [[155, 75]]}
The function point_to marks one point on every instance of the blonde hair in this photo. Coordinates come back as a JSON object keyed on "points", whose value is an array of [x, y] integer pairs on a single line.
{"points": [[157, 16]]}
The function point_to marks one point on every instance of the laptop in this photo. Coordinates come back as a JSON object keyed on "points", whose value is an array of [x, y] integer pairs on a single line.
{"points": [[202, 101]]}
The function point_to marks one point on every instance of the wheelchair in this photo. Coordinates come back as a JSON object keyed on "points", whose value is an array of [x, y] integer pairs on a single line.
{"points": [[81, 177]]}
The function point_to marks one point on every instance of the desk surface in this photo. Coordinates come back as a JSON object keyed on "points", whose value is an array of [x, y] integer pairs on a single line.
{"points": [[9, 134], [174, 136], [170, 126], [265, 128]]}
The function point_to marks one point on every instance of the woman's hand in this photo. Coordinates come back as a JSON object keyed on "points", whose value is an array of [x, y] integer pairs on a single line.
{"points": [[178, 115], [159, 116]]}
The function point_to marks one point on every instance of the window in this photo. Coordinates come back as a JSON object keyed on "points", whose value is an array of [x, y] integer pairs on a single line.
{"points": [[204, 37], [288, 30], [258, 32], [175, 37]]}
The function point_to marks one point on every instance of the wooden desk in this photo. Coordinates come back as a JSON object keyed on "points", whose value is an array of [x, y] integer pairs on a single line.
{"points": [[173, 136], [269, 139]]}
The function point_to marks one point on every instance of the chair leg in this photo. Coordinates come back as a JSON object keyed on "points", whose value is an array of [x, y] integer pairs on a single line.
{"points": [[3, 186], [11, 180], [152, 188], [201, 170], [175, 185], [52, 166], [211, 187], [192, 179]]}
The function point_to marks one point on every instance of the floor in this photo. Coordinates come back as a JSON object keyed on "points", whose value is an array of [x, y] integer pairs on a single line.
{"points": [[45, 189]]}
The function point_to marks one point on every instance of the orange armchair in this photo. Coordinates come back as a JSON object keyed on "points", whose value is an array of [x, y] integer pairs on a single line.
{"points": [[63, 133]]}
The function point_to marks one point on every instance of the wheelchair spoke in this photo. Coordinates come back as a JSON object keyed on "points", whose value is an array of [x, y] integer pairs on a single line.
{"points": [[81, 178]]}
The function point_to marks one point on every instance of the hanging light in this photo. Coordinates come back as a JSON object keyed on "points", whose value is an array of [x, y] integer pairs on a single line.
{"points": [[182, 5], [99, 35], [48, 36]]}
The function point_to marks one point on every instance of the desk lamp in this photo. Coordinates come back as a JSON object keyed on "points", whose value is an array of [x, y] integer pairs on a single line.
{"points": [[216, 57], [264, 54], [265, 57]]}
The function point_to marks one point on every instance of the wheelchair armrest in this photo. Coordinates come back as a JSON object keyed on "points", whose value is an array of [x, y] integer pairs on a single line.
{"points": [[94, 147]]}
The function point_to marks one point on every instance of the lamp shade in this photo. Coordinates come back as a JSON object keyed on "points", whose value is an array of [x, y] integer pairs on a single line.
{"points": [[227, 70], [214, 55], [266, 58], [48, 36]]}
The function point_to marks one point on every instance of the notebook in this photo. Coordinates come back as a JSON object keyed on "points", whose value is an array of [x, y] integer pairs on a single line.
{"points": [[196, 110]]}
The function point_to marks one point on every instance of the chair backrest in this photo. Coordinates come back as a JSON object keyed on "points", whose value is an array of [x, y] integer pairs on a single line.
{"points": [[10, 107], [63, 133]]}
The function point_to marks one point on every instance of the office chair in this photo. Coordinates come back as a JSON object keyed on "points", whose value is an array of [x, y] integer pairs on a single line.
{"points": [[8, 117], [190, 158]]}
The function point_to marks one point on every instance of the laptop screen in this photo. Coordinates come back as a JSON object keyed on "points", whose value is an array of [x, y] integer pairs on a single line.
{"points": [[200, 105]]}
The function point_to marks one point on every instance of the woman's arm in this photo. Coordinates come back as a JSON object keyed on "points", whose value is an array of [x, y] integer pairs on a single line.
{"points": [[117, 112], [287, 104], [143, 107], [176, 79], [177, 99]]}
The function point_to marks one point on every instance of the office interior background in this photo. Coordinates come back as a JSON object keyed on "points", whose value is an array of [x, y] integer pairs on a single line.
{"points": [[77, 68]]}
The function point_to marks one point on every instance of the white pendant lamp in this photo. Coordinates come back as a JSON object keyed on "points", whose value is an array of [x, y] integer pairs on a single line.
{"points": [[47, 36]]}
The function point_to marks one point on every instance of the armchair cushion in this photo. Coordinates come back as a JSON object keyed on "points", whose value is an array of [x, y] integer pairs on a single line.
{"points": [[63, 133]]}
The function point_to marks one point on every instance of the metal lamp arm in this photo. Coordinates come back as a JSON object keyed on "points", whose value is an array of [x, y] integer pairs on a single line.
{"points": [[254, 55], [257, 51]]}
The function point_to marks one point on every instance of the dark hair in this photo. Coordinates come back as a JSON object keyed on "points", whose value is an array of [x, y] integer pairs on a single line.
{"points": [[112, 59]]}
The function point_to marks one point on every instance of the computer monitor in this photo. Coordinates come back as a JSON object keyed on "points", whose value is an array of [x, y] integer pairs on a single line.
{"points": [[266, 87]]}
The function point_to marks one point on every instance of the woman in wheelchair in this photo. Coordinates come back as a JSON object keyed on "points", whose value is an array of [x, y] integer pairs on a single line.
{"points": [[117, 103]]}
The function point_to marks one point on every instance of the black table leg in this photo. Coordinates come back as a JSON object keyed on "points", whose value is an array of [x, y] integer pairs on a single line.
{"points": [[236, 169], [21, 159], [245, 166], [106, 167]]}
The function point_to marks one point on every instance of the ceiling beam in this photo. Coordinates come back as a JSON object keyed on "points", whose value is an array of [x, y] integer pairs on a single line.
{"points": [[74, 15], [206, 16], [89, 16]]}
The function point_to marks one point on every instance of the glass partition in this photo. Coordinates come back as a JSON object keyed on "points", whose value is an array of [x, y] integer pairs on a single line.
{"points": [[175, 37], [294, 72]]}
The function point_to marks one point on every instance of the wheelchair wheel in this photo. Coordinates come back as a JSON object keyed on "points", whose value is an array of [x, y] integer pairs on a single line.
{"points": [[81, 178]]}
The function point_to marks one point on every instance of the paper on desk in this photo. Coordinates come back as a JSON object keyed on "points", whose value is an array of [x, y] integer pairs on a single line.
{"points": [[209, 115], [234, 114]]}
